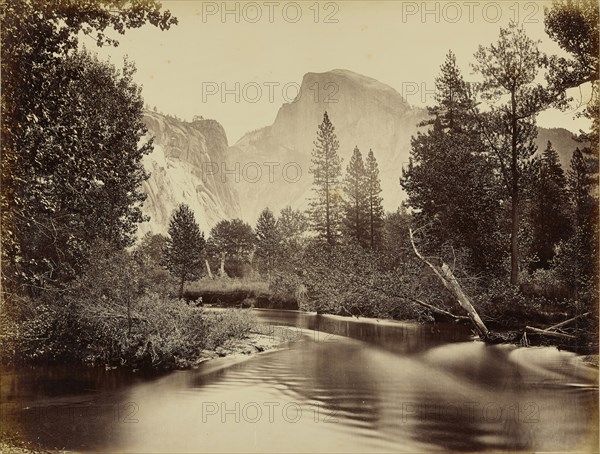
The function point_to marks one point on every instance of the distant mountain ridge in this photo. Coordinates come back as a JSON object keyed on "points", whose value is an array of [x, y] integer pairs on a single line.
{"points": [[269, 167], [365, 113]]}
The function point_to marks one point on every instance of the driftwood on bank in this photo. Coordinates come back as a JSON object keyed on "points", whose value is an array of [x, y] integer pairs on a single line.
{"points": [[444, 273]]}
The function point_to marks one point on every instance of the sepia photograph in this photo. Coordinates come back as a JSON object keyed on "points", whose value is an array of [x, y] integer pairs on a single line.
{"points": [[311, 226]]}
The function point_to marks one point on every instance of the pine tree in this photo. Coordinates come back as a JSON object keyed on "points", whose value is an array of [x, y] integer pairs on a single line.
{"points": [[574, 26], [375, 209], [355, 223], [576, 261], [185, 243], [268, 241], [450, 182], [510, 68], [326, 206], [580, 185], [453, 97], [550, 217]]}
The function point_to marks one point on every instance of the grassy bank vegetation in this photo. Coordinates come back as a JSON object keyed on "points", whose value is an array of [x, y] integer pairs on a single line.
{"points": [[255, 284]]}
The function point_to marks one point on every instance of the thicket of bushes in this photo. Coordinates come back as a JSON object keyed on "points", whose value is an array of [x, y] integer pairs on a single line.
{"points": [[347, 279], [120, 312]]}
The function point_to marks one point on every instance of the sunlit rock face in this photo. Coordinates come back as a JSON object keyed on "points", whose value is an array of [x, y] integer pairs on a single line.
{"points": [[182, 170], [365, 113]]}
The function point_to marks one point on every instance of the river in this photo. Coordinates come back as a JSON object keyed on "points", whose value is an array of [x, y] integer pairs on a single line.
{"points": [[336, 385]]}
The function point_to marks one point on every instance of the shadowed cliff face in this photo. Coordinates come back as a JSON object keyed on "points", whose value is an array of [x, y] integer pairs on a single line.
{"points": [[182, 169], [366, 113]]}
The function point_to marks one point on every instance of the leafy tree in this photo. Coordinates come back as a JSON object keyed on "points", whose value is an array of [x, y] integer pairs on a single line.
{"points": [[326, 206], [185, 243], [292, 224], [149, 255], [71, 128], [233, 239], [450, 182], [151, 249], [83, 176], [396, 239], [355, 222], [510, 69], [574, 26], [375, 209], [550, 216], [268, 241]]}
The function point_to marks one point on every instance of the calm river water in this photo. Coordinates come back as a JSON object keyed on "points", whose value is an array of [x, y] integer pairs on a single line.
{"points": [[341, 385]]}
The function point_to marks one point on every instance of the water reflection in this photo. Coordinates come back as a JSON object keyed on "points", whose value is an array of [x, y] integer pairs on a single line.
{"points": [[342, 385]]}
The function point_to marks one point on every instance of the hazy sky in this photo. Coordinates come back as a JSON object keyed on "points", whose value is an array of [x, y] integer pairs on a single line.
{"points": [[261, 44]]}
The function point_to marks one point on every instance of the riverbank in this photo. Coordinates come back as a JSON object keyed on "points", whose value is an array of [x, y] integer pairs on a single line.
{"points": [[520, 326], [157, 335], [523, 322], [259, 340], [328, 369]]}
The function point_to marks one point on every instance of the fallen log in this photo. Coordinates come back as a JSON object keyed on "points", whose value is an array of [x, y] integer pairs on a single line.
{"points": [[566, 322], [545, 332], [440, 311], [451, 283]]}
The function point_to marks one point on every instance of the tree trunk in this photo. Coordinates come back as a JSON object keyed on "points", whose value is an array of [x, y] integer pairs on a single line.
{"points": [[566, 322], [327, 217], [128, 317], [514, 241], [447, 277], [208, 270], [514, 230], [222, 267], [463, 300], [371, 222], [181, 286]]}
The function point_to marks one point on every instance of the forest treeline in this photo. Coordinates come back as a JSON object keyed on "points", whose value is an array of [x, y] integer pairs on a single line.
{"points": [[518, 231]]}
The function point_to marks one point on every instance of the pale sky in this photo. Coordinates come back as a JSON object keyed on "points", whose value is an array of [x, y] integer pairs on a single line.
{"points": [[183, 71]]}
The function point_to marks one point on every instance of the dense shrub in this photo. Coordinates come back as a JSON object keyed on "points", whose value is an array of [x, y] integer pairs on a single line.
{"points": [[350, 280], [110, 316], [223, 326]]}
